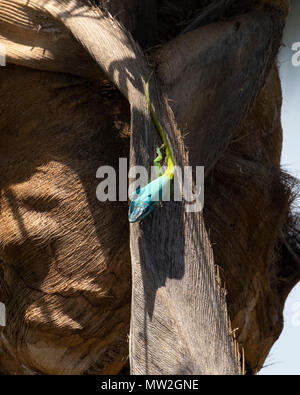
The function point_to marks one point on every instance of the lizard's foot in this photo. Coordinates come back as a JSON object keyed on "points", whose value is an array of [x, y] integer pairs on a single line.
{"points": [[158, 160]]}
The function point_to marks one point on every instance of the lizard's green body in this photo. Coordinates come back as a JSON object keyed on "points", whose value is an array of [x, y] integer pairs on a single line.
{"points": [[143, 201], [169, 152]]}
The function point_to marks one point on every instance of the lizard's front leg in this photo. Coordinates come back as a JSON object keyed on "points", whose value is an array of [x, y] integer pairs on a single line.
{"points": [[158, 160]]}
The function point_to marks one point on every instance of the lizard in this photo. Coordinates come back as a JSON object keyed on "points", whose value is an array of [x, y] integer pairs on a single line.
{"points": [[144, 200]]}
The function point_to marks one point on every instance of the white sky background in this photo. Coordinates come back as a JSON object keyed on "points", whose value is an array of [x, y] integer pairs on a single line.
{"points": [[284, 357]]}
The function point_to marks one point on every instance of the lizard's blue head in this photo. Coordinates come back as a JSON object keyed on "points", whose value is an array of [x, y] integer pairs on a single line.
{"points": [[139, 209], [145, 199]]}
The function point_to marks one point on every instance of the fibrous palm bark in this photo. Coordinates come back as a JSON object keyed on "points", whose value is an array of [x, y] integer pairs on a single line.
{"points": [[212, 75]]}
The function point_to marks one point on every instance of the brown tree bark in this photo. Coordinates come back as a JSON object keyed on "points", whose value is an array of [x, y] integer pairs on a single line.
{"points": [[211, 83]]}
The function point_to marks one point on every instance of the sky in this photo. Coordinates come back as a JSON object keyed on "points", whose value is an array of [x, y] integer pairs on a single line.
{"points": [[284, 357]]}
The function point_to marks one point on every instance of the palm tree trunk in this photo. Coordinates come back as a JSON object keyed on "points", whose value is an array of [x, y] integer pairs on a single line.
{"points": [[179, 321]]}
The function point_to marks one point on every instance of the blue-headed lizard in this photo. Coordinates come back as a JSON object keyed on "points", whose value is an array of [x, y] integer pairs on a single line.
{"points": [[144, 200]]}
